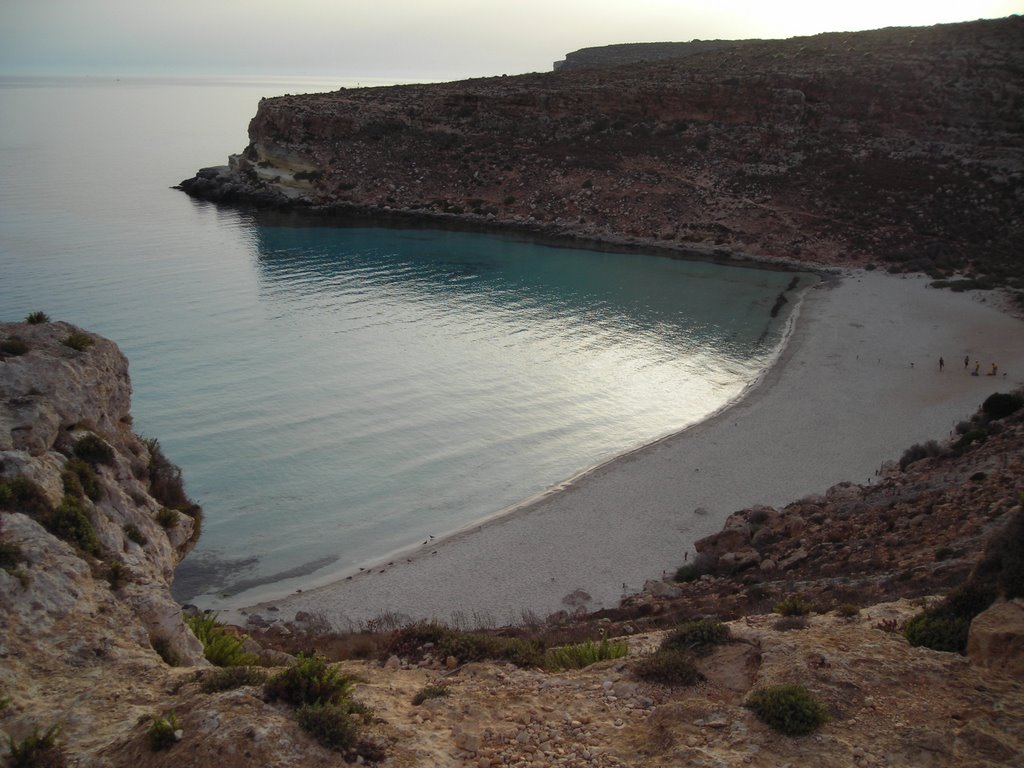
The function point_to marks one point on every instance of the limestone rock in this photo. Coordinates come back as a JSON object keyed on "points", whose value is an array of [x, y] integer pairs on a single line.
{"points": [[996, 639]]}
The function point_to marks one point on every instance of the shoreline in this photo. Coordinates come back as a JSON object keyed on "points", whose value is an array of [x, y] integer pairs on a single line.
{"points": [[297, 581], [568, 548]]}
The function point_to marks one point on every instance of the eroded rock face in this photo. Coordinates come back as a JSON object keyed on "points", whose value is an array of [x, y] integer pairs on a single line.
{"points": [[99, 603]]}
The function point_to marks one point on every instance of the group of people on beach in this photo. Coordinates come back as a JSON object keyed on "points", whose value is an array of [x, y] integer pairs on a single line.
{"points": [[967, 364]]}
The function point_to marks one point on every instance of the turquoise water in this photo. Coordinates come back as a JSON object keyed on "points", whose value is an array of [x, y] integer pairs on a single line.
{"points": [[335, 394]]}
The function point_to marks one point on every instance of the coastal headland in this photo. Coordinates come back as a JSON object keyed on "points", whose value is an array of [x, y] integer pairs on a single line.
{"points": [[899, 147]]}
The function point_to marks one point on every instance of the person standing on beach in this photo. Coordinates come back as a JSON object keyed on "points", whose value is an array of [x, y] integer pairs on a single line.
{"points": [[967, 361], [942, 364]]}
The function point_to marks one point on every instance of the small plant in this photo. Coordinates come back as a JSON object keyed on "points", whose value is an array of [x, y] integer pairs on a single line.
{"points": [[117, 574], [943, 553], [94, 449], [19, 494], [919, 451], [163, 732], [70, 522], [890, 625], [789, 709], [135, 535], [308, 681], [330, 724], [78, 341], [668, 666], [40, 750], [37, 318], [229, 678], [166, 518], [793, 606], [698, 635], [10, 555], [80, 479], [787, 623], [163, 649], [464, 646], [221, 647], [14, 346], [429, 692], [688, 572], [944, 627], [848, 610], [580, 655]]}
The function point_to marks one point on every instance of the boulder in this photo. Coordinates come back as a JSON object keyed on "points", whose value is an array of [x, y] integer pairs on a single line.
{"points": [[996, 638]]}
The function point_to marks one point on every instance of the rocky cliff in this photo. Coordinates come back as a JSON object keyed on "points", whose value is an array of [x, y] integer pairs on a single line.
{"points": [[898, 146]]}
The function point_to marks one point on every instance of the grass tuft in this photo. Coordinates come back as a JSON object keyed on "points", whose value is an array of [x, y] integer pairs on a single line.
{"points": [[221, 647], [669, 666], [580, 655], [37, 318], [162, 732], [40, 750], [78, 341]]}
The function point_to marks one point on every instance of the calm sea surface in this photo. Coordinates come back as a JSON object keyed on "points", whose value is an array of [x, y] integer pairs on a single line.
{"points": [[335, 394]]}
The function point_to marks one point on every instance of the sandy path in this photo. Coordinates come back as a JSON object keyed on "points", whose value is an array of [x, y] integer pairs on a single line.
{"points": [[843, 399]]}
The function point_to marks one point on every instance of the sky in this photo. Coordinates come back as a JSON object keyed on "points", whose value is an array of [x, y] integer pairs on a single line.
{"points": [[423, 40]]}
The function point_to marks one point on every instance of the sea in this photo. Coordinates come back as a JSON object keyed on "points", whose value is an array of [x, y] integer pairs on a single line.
{"points": [[338, 392]]}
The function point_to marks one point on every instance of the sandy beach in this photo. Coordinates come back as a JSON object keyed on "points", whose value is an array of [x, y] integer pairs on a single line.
{"points": [[857, 383]]}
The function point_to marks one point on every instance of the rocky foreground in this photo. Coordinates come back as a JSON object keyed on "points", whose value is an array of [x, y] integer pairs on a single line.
{"points": [[901, 147], [92, 643]]}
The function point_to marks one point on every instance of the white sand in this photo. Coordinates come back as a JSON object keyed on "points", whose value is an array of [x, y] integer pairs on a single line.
{"points": [[843, 398]]}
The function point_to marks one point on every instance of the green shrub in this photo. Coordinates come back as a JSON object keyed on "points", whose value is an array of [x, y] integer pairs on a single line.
{"points": [[40, 750], [94, 449], [19, 494], [163, 649], [580, 655], [943, 553], [134, 534], [10, 555], [970, 438], [944, 627], [161, 732], [1000, 405], [117, 574], [697, 635], [789, 709], [793, 606], [848, 610], [229, 678], [687, 572], [308, 681], [668, 666], [221, 647], [166, 518], [69, 522], [919, 451], [330, 724], [429, 692], [80, 479], [14, 346], [78, 341], [464, 646], [786, 623], [37, 318], [938, 632]]}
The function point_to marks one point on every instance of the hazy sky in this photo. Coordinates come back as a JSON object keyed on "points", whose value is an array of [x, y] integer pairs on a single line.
{"points": [[406, 39]]}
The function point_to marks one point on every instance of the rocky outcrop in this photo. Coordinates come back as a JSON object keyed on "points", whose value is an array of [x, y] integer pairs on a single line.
{"points": [[900, 146], [996, 639]]}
